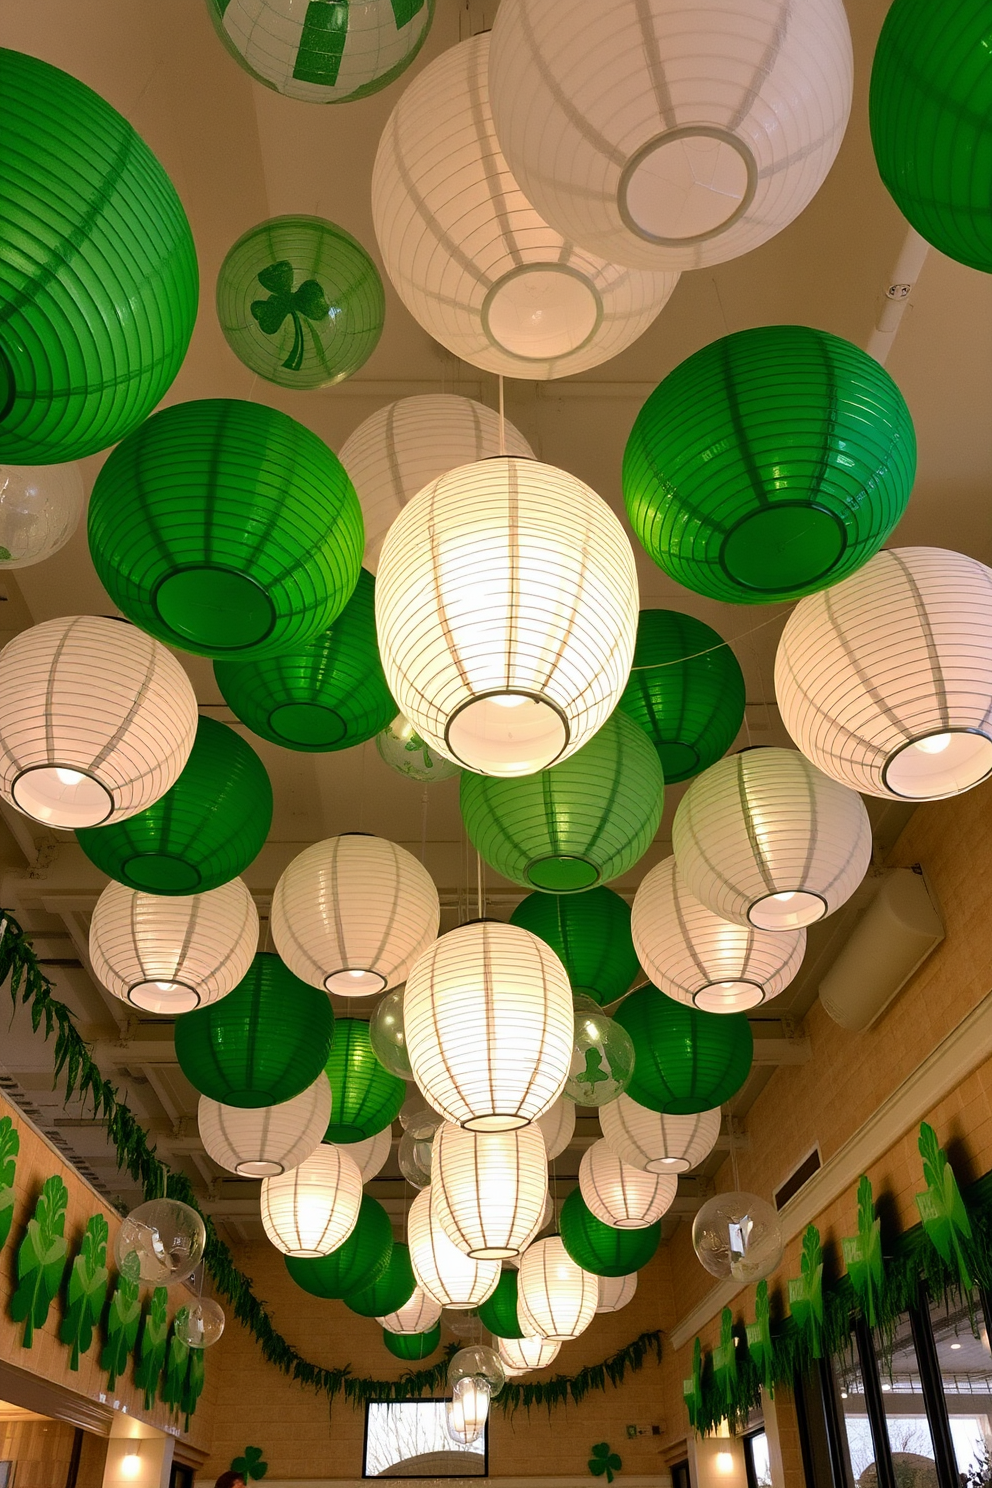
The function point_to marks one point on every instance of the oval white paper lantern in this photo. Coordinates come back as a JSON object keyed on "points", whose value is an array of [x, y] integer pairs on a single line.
{"points": [[506, 612], [622, 1196], [519, 1355], [698, 958], [489, 1189], [444, 1272], [676, 136], [400, 449], [885, 680], [489, 1026], [370, 1155], [352, 914], [659, 1144], [267, 1140], [40, 508], [417, 1315], [556, 1299], [468, 255], [468, 1409], [312, 1209], [764, 838], [558, 1127], [170, 955], [98, 720], [616, 1291]]}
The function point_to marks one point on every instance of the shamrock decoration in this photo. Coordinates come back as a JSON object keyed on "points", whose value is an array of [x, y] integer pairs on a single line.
{"points": [[250, 1465], [603, 1461], [308, 301]]}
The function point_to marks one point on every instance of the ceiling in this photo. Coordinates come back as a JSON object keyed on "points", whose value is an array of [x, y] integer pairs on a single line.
{"points": [[237, 154]]}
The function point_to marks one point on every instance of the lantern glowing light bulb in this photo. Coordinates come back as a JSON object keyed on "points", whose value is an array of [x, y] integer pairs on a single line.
{"points": [[556, 1298]]}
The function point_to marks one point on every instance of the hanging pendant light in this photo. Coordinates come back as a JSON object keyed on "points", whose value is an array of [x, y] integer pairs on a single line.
{"points": [[268, 1140], [685, 1060], [557, 1299], [591, 935], [659, 1144], [558, 1127], [365, 1097], [489, 1026], [40, 508], [444, 1272], [489, 1188], [417, 1315], [738, 1235], [355, 1264], [764, 838], [620, 1195], [506, 605], [371, 1153], [468, 1410], [616, 1291], [520, 1355]]}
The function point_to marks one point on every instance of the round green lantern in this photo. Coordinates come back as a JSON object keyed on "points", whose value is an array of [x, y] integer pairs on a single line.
{"points": [[365, 1097], [356, 1264], [412, 1345], [98, 276], [685, 1060], [686, 690], [262, 1044], [326, 695], [770, 464], [300, 302], [224, 527], [499, 1311], [598, 1247], [930, 111], [203, 832], [390, 1291], [591, 936], [575, 825]]}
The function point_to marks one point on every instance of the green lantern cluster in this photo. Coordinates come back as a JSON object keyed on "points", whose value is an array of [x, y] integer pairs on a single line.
{"points": [[770, 464], [412, 1345], [300, 302], [203, 832], [355, 1265], [591, 936], [262, 1044], [326, 695], [499, 1311], [390, 1291], [686, 690], [930, 111], [98, 276], [575, 825], [365, 1097], [598, 1247], [685, 1060], [224, 527]]}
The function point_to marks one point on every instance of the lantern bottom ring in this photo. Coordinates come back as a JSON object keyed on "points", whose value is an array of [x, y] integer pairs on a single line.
{"points": [[686, 185], [62, 796], [562, 874], [943, 762], [216, 607], [540, 311], [307, 725], [729, 997], [787, 909], [160, 873], [262, 1169], [785, 546], [495, 1121], [507, 732], [358, 981], [163, 997]]}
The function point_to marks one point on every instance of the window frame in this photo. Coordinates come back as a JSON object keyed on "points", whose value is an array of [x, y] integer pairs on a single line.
{"points": [[422, 1477]]}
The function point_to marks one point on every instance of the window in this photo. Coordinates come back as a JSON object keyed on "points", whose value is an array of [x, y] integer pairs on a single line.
{"points": [[413, 1433], [964, 1361], [757, 1462], [858, 1439], [680, 1474]]}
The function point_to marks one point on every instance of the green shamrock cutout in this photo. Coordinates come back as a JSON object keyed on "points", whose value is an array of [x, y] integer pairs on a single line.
{"points": [[306, 302], [594, 1072], [604, 1462], [251, 1464]]}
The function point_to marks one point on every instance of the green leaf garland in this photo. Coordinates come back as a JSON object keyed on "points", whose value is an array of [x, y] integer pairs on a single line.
{"points": [[86, 1293], [41, 1259]]}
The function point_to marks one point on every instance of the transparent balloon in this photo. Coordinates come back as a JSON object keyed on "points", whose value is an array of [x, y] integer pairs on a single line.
{"points": [[603, 1057], [414, 1157], [160, 1242], [201, 1323], [405, 751], [738, 1235], [419, 1118], [40, 508], [388, 1037], [466, 1412], [478, 1363]]}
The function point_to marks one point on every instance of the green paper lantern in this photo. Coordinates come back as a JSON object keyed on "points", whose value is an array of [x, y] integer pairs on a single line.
{"points": [[356, 1264], [412, 1345], [226, 528], [770, 464], [300, 302], [598, 1247], [930, 111], [499, 1311], [262, 1044], [686, 690], [685, 1060], [591, 936], [98, 278], [329, 694], [365, 1097], [203, 832], [575, 825], [390, 1291]]}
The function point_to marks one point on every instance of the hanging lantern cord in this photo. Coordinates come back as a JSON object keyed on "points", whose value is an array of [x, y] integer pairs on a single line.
{"points": [[733, 1150], [479, 892], [502, 419]]}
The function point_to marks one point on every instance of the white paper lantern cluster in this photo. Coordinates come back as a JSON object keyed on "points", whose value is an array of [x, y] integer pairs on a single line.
{"points": [[417, 1315], [556, 1299], [98, 720], [558, 1127], [622, 1196], [266, 1140], [659, 1144], [313, 1208], [489, 1189], [371, 1154], [519, 1355], [616, 1291], [40, 508], [443, 1271]]}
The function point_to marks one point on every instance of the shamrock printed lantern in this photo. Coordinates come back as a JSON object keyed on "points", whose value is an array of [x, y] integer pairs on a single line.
{"points": [[403, 750], [300, 302]]}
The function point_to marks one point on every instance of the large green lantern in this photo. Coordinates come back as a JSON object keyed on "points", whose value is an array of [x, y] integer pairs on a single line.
{"points": [[575, 825], [686, 690], [356, 1264], [499, 1311], [598, 1247], [365, 1097], [930, 111], [390, 1291], [300, 302], [685, 1060], [98, 277], [412, 1346], [262, 1044], [770, 464], [590, 935], [203, 832], [329, 694], [224, 527]]}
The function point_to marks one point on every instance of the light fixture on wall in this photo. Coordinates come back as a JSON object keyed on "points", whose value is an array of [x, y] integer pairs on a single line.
{"points": [[311, 1210], [442, 1270], [621, 1195], [659, 1144], [556, 1298], [131, 1461], [268, 1140], [489, 1188]]}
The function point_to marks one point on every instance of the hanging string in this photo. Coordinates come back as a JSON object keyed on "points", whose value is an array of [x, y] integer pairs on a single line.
{"points": [[479, 889], [742, 635], [423, 827], [502, 419], [733, 1151], [361, 790]]}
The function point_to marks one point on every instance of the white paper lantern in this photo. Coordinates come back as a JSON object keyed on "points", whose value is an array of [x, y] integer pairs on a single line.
{"points": [[764, 838], [700, 959], [443, 1271], [885, 680], [519, 1355], [418, 1315], [488, 1011], [353, 913], [558, 1127], [489, 1189], [40, 508], [622, 1196], [98, 719], [616, 1291], [556, 1299], [313, 1208], [267, 1140], [659, 1144], [369, 1156], [170, 955], [506, 611], [674, 136], [468, 1410], [472, 260]]}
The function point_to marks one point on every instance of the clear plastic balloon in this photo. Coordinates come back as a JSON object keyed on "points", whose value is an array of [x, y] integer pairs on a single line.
{"points": [[478, 1363], [414, 1157], [387, 1035], [40, 508], [603, 1057], [404, 751], [419, 1118], [160, 1242], [738, 1235], [200, 1324]]}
